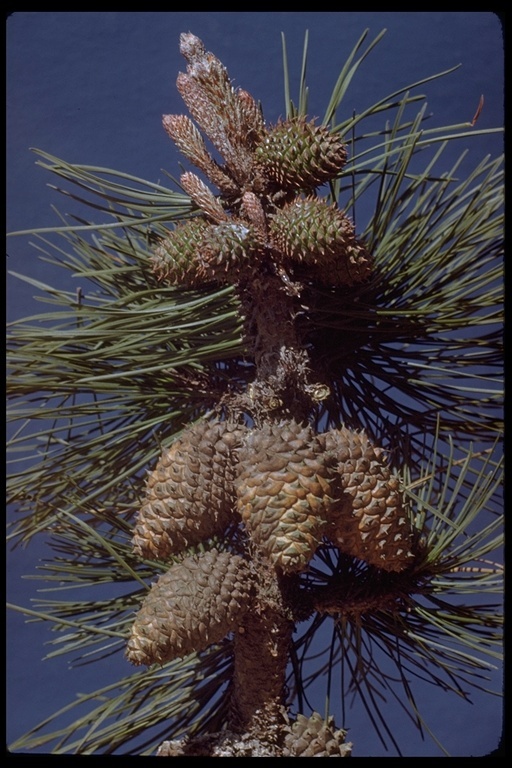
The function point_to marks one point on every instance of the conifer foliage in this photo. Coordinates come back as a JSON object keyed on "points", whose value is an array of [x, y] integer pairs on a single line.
{"points": [[267, 508]]}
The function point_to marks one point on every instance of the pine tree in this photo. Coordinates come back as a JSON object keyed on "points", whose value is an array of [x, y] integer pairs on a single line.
{"points": [[312, 467]]}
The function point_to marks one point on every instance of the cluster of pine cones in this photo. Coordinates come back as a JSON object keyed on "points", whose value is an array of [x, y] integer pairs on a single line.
{"points": [[289, 487], [266, 216]]}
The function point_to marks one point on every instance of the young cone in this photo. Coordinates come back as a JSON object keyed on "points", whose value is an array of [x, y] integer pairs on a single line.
{"points": [[177, 258], [300, 155], [197, 253], [308, 231], [194, 604], [229, 246]]}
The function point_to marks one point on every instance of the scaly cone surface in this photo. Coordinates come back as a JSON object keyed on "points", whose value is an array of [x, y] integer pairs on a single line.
{"points": [[312, 737], [194, 604], [283, 492], [369, 521], [311, 232], [305, 737], [299, 155], [189, 495], [262, 467]]}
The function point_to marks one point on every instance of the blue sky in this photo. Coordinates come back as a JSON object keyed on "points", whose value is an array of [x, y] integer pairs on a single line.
{"points": [[91, 87]]}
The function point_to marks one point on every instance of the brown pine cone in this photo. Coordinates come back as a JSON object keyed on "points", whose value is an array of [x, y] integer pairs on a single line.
{"points": [[189, 495], [283, 490], [194, 604], [369, 521]]}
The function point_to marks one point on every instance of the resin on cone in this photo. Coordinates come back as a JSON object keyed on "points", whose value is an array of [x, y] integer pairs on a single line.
{"points": [[197, 253]]}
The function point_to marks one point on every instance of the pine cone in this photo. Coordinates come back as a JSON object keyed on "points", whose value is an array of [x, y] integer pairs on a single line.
{"points": [[300, 155], [369, 521], [318, 235], [312, 737], [177, 258], [196, 253], [283, 491], [226, 247], [194, 604], [189, 495]]}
